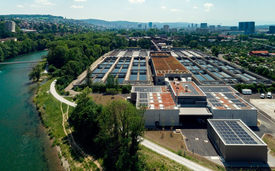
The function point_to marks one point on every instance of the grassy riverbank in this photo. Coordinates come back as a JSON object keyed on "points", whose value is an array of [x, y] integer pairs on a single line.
{"points": [[50, 112]]}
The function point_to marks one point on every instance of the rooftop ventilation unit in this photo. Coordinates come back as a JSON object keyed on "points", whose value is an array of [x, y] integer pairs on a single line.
{"points": [[186, 88]]}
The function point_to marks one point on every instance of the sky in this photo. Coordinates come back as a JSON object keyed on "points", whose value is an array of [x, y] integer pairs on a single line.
{"points": [[214, 12]]}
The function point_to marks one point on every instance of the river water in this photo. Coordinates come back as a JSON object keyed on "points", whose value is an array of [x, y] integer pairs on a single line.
{"points": [[24, 144]]}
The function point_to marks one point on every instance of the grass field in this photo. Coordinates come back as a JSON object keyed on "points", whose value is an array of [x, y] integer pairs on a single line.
{"points": [[156, 162], [104, 99], [175, 143]]}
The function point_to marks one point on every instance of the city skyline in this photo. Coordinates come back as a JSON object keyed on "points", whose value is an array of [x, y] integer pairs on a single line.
{"points": [[192, 11]]}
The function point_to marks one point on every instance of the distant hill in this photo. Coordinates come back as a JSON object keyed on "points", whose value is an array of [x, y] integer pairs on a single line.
{"points": [[31, 16], [128, 24]]}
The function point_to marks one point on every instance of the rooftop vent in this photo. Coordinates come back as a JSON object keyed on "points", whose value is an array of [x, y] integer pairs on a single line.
{"points": [[186, 88]]}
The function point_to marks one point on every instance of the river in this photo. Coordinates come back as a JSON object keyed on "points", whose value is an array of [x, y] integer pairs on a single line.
{"points": [[24, 144]]}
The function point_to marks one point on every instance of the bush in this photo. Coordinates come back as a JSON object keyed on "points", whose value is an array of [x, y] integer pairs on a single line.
{"points": [[126, 89], [52, 69]]}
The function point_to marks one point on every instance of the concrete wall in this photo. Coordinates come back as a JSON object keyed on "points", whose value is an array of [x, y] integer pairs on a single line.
{"points": [[245, 153], [249, 117], [238, 153], [162, 116]]}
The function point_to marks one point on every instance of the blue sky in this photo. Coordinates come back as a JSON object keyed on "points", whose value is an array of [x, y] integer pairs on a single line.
{"points": [[225, 12]]}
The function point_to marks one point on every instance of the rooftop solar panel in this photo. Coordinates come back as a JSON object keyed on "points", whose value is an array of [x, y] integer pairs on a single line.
{"points": [[224, 89], [143, 95], [147, 89], [232, 132]]}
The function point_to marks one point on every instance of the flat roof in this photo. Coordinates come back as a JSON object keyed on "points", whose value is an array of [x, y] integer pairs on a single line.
{"points": [[189, 111], [223, 101], [154, 97], [219, 89], [167, 64], [180, 88], [234, 132]]}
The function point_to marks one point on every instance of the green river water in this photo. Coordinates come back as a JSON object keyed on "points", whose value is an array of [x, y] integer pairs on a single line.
{"points": [[24, 144]]}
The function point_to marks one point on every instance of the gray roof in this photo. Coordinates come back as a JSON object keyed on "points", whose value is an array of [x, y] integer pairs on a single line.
{"points": [[234, 131]]}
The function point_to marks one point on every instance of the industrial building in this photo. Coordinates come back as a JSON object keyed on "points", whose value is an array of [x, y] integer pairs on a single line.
{"points": [[184, 102], [235, 141], [10, 26]]}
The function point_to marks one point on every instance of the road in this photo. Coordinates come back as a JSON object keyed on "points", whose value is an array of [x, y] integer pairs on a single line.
{"points": [[173, 156], [58, 97], [146, 143]]}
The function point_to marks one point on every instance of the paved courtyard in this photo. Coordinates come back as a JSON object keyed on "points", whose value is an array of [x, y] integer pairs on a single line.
{"points": [[266, 105]]}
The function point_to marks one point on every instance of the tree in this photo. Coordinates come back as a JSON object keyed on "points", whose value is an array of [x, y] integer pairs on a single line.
{"points": [[1, 55], [121, 124], [110, 82], [85, 117], [35, 73], [89, 77]]}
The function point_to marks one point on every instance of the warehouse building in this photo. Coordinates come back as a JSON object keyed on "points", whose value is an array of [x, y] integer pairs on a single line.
{"points": [[235, 141]]}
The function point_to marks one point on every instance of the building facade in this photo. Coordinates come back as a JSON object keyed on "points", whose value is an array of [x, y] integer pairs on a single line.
{"points": [[166, 28], [203, 25], [247, 27], [10, 26]]}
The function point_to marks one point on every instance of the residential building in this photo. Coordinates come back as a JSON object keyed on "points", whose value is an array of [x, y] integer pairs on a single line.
{"points": [[247, 27], [150, 25], [10, 26], [234, 28], [203, 25], [166, 28], [271, 29], [212, 27]]}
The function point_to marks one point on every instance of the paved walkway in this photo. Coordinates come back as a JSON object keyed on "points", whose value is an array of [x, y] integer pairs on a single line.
{"points": [[146, 143], [60, 98]]}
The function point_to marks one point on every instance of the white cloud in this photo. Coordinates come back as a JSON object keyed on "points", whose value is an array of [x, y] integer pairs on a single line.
{"points": [[44, 2], [208, 6], [136, 1], [163, 7], [128, 8], [187, 0], [20, 6], [174, 10], [195, 7], [80, 0], [35, 6], [74, 6]]}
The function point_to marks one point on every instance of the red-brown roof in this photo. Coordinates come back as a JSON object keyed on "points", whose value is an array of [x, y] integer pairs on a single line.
{"points": [[167, 65], [259, 52]]}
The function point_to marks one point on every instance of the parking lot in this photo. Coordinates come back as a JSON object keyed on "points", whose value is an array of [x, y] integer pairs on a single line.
{"points": [[197, 141]]}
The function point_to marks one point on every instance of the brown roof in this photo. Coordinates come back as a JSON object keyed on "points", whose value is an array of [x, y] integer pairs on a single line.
{"points": [[259, 52], [167, 65]]}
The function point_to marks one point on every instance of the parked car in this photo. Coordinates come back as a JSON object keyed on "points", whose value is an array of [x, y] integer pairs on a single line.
{"points": [[269, 95], [262, 96]]}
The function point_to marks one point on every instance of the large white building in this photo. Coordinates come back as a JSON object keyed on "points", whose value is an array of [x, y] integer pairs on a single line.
{"points": [[10, 26]]}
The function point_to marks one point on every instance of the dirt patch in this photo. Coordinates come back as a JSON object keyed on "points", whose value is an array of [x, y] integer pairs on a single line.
{"points": [[104, 99], [166, 139], [270, 141]]}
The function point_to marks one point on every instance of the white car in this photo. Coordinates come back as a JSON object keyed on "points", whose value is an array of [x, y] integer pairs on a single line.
{"points": [[269, 95], [262, 96]]}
